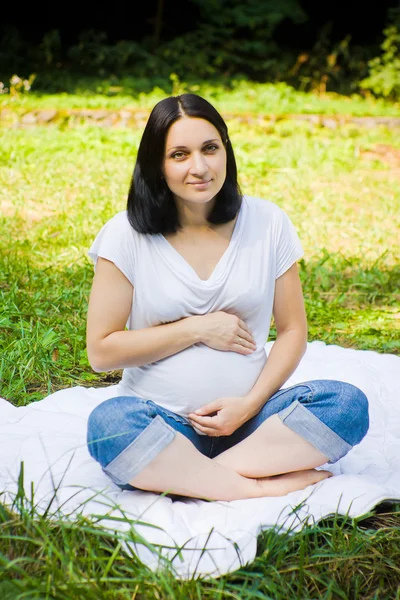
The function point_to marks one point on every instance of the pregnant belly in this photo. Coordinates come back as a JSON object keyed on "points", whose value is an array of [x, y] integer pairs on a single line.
{"points": [[193, 377]]}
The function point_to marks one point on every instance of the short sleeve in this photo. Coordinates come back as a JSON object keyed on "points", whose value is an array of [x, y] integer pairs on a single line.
{"points": [[116, 242], [289, 248]]}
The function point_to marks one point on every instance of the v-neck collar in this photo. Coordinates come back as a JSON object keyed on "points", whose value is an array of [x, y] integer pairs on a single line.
{"points": [[180, 264]]}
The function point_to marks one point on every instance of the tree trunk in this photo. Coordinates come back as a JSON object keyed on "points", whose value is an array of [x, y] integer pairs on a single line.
{"points": [[158, 23]]}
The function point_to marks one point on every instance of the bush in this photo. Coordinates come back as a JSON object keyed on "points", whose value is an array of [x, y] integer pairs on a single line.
{"points": [[384, 71], [93, 53]]}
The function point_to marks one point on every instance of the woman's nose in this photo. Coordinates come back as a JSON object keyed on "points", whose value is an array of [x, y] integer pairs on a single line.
{"points": [[198, 164]]}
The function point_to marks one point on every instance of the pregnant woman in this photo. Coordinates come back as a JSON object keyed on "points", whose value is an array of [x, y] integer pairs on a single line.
{"points": [[186, 281]]}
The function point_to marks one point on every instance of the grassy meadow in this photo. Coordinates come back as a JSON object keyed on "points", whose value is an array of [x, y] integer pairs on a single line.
{"points": [[59, 184], [235, 95]]}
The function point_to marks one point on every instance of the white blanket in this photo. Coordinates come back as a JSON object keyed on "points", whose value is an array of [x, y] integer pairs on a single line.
{"points": [[215, 537]]}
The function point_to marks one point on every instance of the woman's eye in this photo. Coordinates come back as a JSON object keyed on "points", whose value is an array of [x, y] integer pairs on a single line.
{"points": [[181, 155]]}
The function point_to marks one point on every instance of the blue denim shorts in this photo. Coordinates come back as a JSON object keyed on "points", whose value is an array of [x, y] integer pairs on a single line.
{"points": [[126, 433]]}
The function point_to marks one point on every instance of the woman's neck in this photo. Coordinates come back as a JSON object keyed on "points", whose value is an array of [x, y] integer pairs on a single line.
{"points": [[193, 217]]}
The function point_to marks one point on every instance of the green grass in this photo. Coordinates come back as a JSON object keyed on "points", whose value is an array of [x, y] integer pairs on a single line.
{"points": [[237, 96], [340, 558], [58, 185]]}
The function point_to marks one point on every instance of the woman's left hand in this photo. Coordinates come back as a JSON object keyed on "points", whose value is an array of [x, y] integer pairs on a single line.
{"points": [[231, 413]]}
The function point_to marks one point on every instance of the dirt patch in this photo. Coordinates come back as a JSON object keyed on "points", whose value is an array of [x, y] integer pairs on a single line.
{"points": [[384, 153], [125, 117], [30, 215]]}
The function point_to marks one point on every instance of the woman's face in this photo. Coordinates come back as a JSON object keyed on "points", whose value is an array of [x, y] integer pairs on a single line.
{"points": [[194, 165]]}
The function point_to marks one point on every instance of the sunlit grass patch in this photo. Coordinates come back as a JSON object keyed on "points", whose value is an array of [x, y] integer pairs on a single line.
{"points": [[338, 200]]}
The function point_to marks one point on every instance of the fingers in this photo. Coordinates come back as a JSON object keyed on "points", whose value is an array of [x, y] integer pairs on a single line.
{"points": [[246, 339], [203, 421], [240, 349], [210, 431], [245, 333], [246, 344]]}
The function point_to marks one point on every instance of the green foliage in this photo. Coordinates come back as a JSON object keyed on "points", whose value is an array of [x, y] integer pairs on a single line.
{"points": [[253, 15], [13, 51], [384, 70], [234, 38], [50, 47], [17, 86], [51, 557], [231, 95], [231, 39], [93, 53], [329, 65], [228, 40], [347, 305]]}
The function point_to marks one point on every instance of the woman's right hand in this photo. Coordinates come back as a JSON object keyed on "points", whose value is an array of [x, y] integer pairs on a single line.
{"points": [[224, 331]]}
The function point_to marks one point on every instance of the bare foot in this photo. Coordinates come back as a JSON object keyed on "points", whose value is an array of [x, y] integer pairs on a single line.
{"points": [[280, 485]]}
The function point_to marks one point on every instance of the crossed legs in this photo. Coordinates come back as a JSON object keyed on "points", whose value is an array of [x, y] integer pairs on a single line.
{"points": [[275, 453], [181, 469]]}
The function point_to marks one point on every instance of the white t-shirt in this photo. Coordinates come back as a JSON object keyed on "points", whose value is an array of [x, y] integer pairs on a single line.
{"points": [[264, 244]]}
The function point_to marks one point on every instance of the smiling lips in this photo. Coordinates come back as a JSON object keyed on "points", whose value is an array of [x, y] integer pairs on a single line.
{"points": [[199, 183]]}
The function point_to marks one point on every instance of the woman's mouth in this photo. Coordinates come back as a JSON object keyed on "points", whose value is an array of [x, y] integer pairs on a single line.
{"points": [[200, 184]]}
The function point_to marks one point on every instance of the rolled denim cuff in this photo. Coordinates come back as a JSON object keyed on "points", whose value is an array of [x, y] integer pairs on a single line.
{"points": [[303, 422], [135, 457]]}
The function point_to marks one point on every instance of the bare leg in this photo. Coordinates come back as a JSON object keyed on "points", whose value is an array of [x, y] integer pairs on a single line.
{"points": [[181, 469], [272, 449]]}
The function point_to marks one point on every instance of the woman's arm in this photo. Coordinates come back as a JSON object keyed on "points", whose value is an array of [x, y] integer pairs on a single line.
{"points": [[291, 341], [109, 345]]}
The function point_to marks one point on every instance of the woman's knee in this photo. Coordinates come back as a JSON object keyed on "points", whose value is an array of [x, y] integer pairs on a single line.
{"points": [[113, 425], [346, 407], [359, 411]]}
